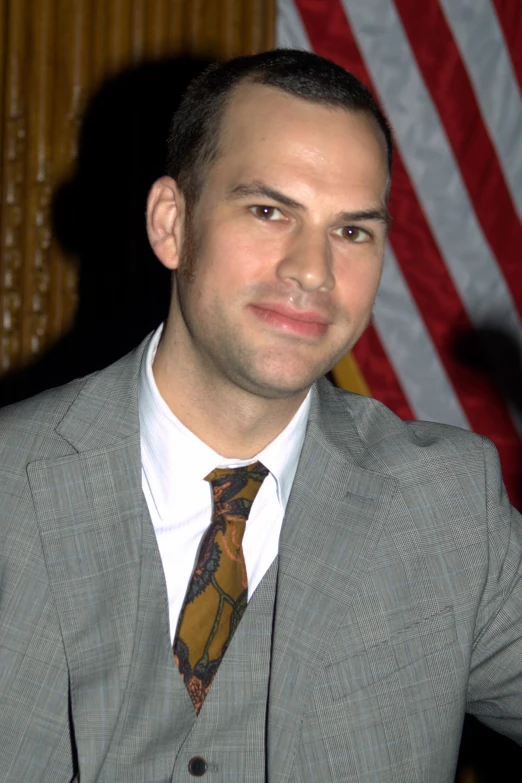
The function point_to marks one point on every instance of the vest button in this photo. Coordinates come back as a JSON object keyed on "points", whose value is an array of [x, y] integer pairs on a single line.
{"points": [[197, 766]]}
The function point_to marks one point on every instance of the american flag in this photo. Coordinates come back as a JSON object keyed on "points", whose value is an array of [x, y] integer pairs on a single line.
{"points": [[444, 344]]}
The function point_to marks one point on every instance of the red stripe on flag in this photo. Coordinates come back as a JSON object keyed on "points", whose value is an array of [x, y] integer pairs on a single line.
{"points": [[452, 92], [420, 260], [509, 13], [379, 374]]}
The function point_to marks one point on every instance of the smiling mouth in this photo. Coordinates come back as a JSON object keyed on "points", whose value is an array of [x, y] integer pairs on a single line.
{"points": [[302, 323]]}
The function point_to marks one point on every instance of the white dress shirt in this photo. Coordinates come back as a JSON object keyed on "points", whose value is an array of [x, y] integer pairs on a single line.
{"points": [[174, 465]]}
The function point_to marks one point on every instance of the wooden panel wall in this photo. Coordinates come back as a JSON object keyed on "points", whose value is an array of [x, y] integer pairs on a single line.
{"points": [[54, 56]]}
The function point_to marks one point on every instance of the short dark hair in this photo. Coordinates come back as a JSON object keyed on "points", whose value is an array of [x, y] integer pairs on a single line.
{"points": [[195, 131]]}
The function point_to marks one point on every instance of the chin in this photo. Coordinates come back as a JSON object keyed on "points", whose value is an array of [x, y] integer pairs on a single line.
{"points": [[277, 374], [280, 385], [271, 393]]}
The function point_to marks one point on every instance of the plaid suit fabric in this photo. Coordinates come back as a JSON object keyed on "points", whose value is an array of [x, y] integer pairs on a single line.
{"points": [[397, 603]]}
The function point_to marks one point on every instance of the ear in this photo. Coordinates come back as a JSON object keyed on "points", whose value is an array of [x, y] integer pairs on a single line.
{"points": [[165, 218]]}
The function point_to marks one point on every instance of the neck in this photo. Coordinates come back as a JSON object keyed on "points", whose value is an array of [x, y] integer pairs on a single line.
{"points": [[233, 422]]}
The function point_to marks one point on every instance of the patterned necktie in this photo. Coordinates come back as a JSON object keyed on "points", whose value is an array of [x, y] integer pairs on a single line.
{"points": [[217, 593]]}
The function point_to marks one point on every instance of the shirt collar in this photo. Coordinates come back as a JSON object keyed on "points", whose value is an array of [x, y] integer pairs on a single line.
{"points": [[170, 446]]}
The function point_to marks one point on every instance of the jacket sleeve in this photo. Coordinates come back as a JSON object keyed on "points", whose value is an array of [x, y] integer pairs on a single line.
{"points": [[495, 684]]}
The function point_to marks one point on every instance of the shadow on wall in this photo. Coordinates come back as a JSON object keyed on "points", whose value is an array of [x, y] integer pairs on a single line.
{"points": [[491, 351], [99, 217]]}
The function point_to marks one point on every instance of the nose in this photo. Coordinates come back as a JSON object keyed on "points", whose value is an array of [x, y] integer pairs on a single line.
{"points": [[307, 262]]}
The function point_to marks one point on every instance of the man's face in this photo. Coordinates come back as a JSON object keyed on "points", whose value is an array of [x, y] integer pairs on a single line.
{"points": [[287, 241]]}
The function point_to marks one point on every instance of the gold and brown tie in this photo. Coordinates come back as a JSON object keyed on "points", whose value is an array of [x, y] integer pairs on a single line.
{"points": [[217, 592]]}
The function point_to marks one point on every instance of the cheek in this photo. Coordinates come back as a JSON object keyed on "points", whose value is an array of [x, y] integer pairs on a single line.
{"points": [[235, 260], [359, 286]]}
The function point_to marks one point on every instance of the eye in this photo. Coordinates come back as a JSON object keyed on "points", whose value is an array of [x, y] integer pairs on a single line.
{"points": [[354, 234], [264, 212]]}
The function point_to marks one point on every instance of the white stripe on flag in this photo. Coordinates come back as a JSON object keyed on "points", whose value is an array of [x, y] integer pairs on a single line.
{"points": [[431, 165], [476, 30], [290, 30], [411, 351]]}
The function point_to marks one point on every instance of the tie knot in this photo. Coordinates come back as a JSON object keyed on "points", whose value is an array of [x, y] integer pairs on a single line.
{"points": [[236, 485]]}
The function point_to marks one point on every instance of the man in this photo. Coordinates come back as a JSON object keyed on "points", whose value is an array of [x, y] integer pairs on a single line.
{"points": [[383, 559]]}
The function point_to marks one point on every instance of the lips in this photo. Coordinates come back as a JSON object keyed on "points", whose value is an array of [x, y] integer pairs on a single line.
{"points": [[306, 323]]}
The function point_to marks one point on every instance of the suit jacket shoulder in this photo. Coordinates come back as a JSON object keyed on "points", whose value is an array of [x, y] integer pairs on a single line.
{"points": [[106, 401], [377, 439]]}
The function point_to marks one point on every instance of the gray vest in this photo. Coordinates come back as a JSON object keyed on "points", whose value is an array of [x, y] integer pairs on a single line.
{"points": [[158, 733]]}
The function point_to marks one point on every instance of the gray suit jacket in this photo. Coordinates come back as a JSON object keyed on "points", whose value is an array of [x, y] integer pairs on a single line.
{"points": [[398, 608]]}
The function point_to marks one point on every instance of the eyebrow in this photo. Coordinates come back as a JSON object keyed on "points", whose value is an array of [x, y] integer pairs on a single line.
{"points": [[260, 189], [257, 188], [381, 214]]}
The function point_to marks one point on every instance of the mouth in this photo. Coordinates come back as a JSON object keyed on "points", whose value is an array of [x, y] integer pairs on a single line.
{"points": [[304, 323]]}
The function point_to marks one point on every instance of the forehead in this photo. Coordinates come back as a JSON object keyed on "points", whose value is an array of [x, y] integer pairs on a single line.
{"points": [[266, 130]]}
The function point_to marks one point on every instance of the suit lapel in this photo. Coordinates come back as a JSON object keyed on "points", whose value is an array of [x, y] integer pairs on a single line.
{"points": [[333, 522], [90, 511]]}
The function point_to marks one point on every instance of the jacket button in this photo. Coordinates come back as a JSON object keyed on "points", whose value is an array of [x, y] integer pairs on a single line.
{"points": [[197, 766]]}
